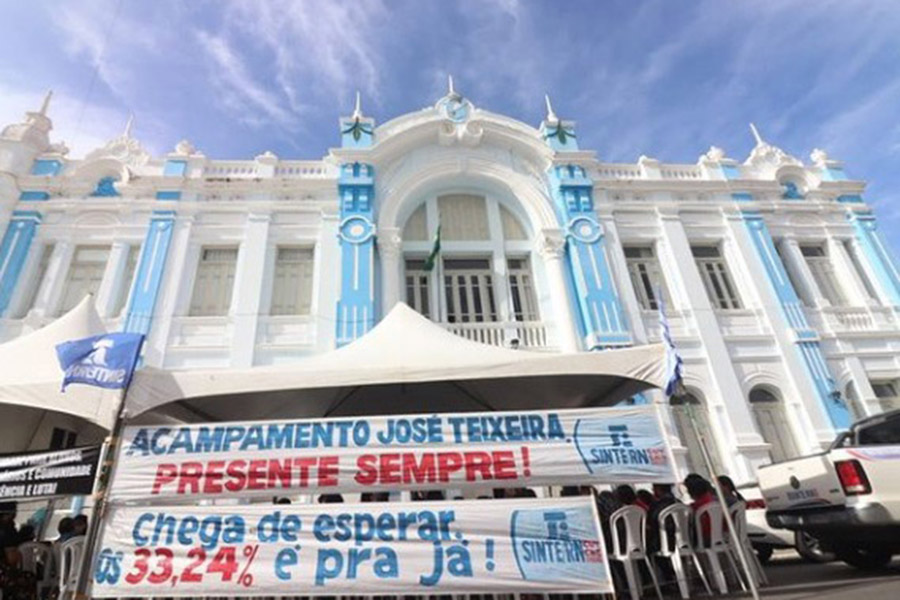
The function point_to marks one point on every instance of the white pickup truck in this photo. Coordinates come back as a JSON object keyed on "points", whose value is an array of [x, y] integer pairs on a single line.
{"points": [[848, 497]]}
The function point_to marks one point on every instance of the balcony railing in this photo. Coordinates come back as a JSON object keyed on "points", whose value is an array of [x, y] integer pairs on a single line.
{"points": [[530, 335], [852, 319]]}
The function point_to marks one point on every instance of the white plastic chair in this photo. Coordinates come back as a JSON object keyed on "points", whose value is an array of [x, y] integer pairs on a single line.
{"points": [[738, 512], [715, 544], [679, 548], [69, 563], [634, 548], [34, 554]]}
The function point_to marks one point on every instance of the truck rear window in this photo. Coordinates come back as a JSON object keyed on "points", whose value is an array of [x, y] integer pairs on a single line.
{"points": [[886, 432]]}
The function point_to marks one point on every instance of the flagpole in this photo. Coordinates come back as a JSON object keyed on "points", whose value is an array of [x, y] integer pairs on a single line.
{"points": [[674, 387], [736, 542], [440, 278], [101, 487]]}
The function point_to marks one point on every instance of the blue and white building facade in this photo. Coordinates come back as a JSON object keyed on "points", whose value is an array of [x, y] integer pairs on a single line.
{"points": [[779, 287]]}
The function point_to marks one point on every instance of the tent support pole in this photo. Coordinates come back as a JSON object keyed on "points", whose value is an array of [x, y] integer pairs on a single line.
{"points": [[98, 511], [732, 532]]}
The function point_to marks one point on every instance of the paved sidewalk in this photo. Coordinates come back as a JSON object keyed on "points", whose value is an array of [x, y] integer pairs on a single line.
{"points": [[790, 578]]}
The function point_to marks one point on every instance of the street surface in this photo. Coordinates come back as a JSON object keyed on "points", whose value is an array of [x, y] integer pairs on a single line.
{"points": [[790, 578]]}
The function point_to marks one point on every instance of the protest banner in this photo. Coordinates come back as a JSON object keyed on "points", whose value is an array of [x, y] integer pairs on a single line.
{"points": [[452, 547], [369, 454], [47, 474]]}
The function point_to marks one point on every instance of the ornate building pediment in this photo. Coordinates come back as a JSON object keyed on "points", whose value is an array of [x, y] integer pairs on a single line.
{"points": [[766, 158], [125, 149]]}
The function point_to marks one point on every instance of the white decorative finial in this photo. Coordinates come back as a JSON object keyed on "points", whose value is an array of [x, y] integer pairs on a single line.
{"points": [[714, 154], [819, 157], [357, 111], [551, 116], [128, 126], [450, 90], [46, 103], [756, 136]]}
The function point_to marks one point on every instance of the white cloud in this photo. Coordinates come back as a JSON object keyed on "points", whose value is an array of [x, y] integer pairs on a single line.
{"points": [[238, 89], [320, 50], [102, 31]]}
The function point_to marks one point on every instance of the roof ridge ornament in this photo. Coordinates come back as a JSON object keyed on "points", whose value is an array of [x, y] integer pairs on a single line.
{"points": [[128, 126], [357, 127], [454, 106], [558, 133], [46, 104], [124, 148], [451, 92], [34, 129], [767, 158], [357, 110], [756, 136], [551, 116]]}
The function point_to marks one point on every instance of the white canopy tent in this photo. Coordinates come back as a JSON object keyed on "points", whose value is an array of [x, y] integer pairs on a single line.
{"points": [[30, 375], [405, 364]]}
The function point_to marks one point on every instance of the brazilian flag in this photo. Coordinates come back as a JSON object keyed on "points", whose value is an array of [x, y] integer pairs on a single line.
{"points": [[435, 250]]}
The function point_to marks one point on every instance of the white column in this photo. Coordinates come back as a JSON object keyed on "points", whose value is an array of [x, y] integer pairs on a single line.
{"points": [[499, 266], [390, 257], [552, 248], [883, 299], [639, 333], [327, 282], [740, 445], [622, 281], [112, 279], [807, 419], [846, 273], [175, 284], [801, 276], [868, 401], [49, 295], [245, 306]]}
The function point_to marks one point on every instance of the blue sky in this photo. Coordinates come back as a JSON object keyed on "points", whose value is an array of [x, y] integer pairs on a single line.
{"points": [[665, 78]]}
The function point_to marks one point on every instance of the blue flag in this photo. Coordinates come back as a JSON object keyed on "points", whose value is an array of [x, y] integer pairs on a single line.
{"points": [[106, 361], [674, 364]]}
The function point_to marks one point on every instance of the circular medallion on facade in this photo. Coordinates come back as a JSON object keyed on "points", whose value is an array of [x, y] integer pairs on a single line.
{"points": [[585, 229], [357, 229]]}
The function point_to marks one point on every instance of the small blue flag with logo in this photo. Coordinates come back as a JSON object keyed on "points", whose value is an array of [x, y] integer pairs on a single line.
{"points": [[106, 361], [674, 364]]}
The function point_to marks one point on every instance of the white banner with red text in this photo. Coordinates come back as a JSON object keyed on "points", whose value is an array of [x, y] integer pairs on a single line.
{"points": [[461, 547], [371, 454]]}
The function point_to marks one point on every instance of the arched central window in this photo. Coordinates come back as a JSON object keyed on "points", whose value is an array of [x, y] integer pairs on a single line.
{"points": [[482, 273], [771, 421], [691, 418]]}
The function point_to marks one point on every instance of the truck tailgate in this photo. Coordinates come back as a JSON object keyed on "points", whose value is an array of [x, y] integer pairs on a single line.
{"points": [[808, 482]]}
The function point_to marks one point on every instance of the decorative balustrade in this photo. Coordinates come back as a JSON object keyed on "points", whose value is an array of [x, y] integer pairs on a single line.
{"points": [[303, 169], [618, 171], [850, 319], [530, 334], [242, 169], [297, 169], [681, 172]]}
